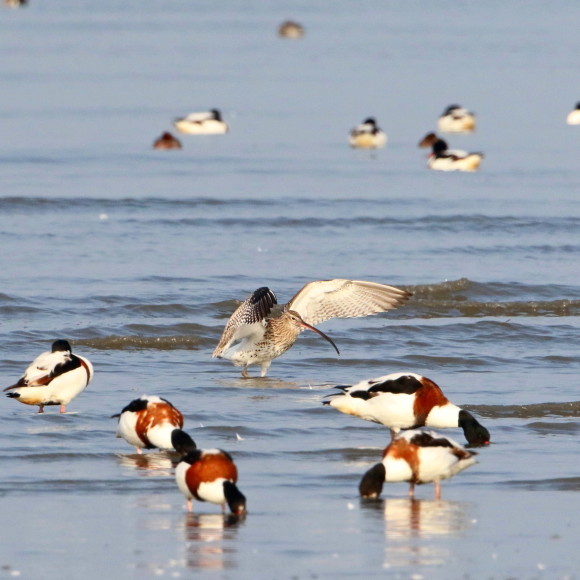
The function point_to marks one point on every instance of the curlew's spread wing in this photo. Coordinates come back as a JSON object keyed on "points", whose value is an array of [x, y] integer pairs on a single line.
{"points": [[319, 301], [247, 319]]}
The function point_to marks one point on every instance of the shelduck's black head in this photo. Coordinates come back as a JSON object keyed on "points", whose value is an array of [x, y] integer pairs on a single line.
{"points": [[475, 433], [439, 147], [450, 109], [182, 442], [371, 485], [235, 498], [216, 114], [370, 121], [61, 346]]}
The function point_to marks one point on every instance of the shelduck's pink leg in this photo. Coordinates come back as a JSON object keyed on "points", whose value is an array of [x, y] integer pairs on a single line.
{"points": [[437, 490], [63, 408]]}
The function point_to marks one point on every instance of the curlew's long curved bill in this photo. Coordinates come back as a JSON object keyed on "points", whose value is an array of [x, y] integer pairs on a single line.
{"points": [[305, 325]]}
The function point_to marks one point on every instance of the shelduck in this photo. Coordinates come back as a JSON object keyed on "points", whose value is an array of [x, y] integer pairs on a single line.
{"points": [[456, 119], [207, 475], [417, 456], [444, 159], [367, 135], [406, 401], [207, 123], [573, 117], [55, 377], [148, 423]]}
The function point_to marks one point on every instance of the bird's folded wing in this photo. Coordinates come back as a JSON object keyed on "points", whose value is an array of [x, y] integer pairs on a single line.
{"points": [[247, 318]]}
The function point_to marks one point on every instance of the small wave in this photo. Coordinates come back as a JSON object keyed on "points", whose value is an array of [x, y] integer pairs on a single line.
{"points": [[558, 484], [115, 342], [569, 409]]}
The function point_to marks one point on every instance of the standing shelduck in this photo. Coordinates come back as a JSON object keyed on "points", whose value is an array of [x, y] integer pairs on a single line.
{"points": [[252, 336], [406, 401], [53, 378], [456, 119], [207, 123], [148, 423], [367, 135], [207, 475], [573, 117], [416, 456]]}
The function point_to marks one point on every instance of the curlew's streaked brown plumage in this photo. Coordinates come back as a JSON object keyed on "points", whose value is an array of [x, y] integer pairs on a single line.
{"points": [[258, 332]]}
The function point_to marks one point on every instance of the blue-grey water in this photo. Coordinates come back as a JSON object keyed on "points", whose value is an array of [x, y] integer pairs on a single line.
{"points": [[138, 257]]}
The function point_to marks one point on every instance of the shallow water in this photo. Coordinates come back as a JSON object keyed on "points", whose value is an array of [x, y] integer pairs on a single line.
{"points": [[139, 256]]}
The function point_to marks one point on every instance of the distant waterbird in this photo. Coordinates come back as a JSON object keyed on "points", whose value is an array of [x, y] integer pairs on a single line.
{"points": [[444, 159], [167, 141], [416, 456], [291, 29], [367, 135], [573, 117], [206, 123], [257, 332], [55, 377], [456, 119], [406, 401]]}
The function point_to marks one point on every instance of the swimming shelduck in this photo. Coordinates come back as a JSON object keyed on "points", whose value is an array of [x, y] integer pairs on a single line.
{"points": [[406, 401], [573, 117], [456, 119], [209, 123], [290, 29], [167, 141], [53, 378], [148, 423], [207, 475], [367, 135], [416, 456], [444, 159]]}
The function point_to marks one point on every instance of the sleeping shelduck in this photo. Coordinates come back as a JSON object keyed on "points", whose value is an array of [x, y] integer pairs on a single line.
{"points": [[367, 135], [53, 378], [444, 159], [406, 401], [573, 117], [417, 456], [207, 123], [148, 423], [207, 475], [456, 119]]}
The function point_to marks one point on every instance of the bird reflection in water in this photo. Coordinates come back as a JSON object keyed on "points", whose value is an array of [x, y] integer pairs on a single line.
{"points": [[417, 531], [156, 464], [211, 540]]}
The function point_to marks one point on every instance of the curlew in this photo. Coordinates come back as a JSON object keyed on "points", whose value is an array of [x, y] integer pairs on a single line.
{"points": [[257, 332]]}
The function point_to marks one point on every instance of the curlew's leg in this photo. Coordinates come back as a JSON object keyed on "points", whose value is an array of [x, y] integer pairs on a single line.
{"points": [[41, 409], [437, 489], [189, 505], [245, 372], [63, 408], [412, 490]]}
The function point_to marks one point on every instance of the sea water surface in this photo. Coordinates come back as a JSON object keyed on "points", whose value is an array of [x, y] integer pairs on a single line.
{"points": [[139, 256]]}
